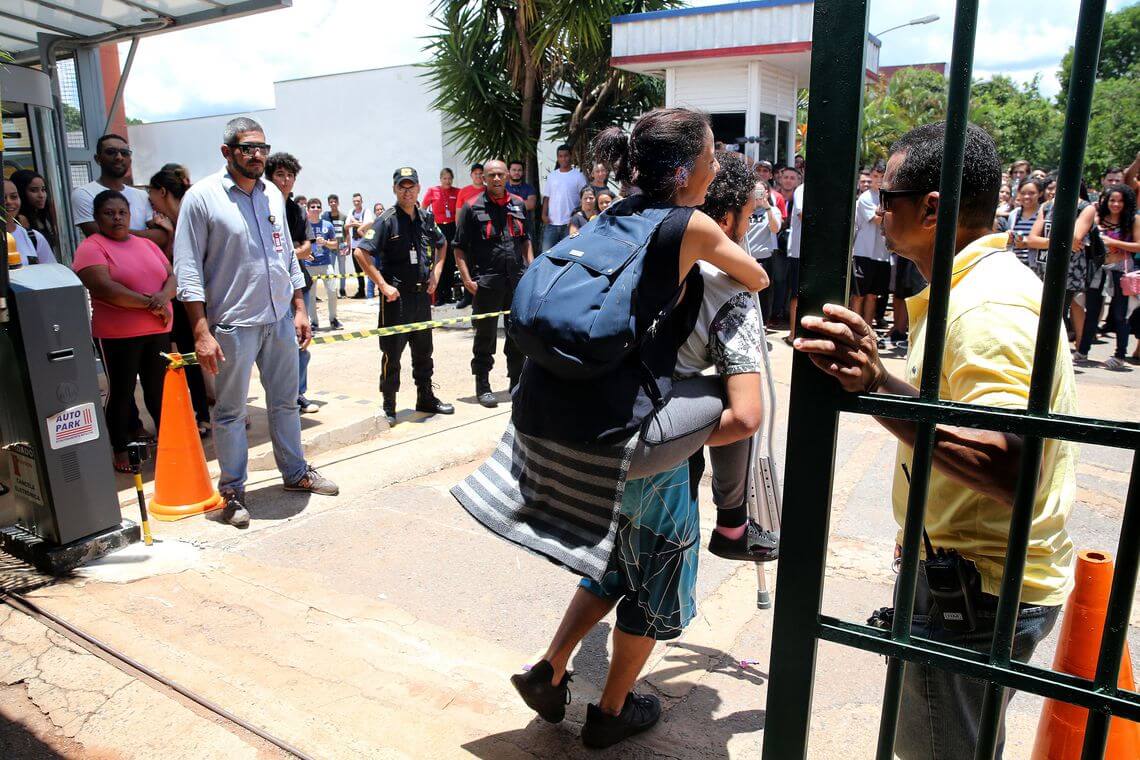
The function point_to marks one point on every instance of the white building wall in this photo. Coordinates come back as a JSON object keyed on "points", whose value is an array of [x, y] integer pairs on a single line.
{"points": [[349, 131], [712, 87]]}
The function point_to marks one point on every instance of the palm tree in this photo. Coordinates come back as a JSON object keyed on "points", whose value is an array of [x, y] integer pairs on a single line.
{"points": [[494, 64]]}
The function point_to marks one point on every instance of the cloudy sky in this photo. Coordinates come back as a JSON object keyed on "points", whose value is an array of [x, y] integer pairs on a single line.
{"points": [[231, 66]]}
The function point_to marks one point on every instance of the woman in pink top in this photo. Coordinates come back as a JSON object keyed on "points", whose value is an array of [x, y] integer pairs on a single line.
{"points": [[131, 285]]}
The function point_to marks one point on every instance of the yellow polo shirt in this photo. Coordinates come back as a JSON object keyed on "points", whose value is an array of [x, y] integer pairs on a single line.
{"points": [[995, 305]]}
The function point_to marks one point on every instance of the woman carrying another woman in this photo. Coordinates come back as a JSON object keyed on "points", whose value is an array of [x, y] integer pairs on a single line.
{"points": [[165, 190], [1120, 231], [35, 212], [593, 474], [587, 209], [131, 286]]}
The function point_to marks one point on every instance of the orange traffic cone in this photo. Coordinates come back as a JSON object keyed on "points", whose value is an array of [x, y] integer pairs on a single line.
{"points": [[182, 486], [1061, 731]]}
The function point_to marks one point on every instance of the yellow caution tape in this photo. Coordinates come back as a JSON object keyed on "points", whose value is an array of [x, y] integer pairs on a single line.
{"points": [[354, 275], [178, 361], [401, 329]]}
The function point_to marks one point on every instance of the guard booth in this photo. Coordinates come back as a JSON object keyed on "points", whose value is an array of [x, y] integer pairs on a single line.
{"points": [[838, 71], [742, 63]]}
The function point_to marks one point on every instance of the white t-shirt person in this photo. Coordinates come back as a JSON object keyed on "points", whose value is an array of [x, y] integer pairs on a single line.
{"points": [[83, 204], [29, 249], [797, 223], [869, 240], [562, 191], [727, 334]]}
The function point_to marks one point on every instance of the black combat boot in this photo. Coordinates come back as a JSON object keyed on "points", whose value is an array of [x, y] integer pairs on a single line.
{"points": [[427, 402], [390, 408], [483, 391]]}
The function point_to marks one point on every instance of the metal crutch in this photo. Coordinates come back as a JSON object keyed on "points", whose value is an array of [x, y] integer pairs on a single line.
{"points": [[763, 477]]}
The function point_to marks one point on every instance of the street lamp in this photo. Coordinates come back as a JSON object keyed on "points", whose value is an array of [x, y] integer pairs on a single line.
{"points": [[914, 22]]}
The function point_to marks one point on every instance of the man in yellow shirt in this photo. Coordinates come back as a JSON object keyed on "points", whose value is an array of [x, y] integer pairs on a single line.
{"points": [[995, 305]]}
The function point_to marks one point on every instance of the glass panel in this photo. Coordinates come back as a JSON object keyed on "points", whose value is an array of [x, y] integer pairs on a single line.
{"points": [[80, 174], [72, 108], [767, 147], [17, 138]]}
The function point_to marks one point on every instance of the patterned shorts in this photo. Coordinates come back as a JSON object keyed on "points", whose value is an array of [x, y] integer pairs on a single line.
{"points": [[652, 572]]}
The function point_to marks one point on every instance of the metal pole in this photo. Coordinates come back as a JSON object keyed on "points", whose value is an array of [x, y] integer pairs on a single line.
{"points": [[118, 99]]}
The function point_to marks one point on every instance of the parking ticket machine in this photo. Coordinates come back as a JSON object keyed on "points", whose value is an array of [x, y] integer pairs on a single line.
{"points": [[59, 505]]}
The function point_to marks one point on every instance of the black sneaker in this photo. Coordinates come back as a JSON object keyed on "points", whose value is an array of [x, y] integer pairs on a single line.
{"points": [[233, 513], [336, 325], [540, 695], [640, 713], [754, 545]]}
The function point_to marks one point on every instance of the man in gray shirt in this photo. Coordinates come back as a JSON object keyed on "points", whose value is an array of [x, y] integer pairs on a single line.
{"points": [[242, 285]]}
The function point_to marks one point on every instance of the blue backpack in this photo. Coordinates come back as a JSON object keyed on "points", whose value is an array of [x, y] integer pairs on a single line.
{"points": [[575, 309]]}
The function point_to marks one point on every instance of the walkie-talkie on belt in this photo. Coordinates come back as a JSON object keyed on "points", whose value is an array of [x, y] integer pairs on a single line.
{"points": [[953, 584]]}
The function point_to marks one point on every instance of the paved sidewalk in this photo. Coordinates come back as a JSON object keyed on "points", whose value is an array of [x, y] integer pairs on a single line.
{"points": [[384, 623]]}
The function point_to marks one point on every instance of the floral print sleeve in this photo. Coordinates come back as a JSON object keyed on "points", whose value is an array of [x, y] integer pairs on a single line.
{"points": [[735, 335]]}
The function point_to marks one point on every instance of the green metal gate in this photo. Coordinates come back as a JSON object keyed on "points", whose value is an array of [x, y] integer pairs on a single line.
{"points": [[837, 82]]}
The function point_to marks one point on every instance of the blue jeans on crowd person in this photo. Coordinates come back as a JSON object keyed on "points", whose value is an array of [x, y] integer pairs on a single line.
{"points": [[552, 234], [940, 710], [273, 348], [303, 357]]}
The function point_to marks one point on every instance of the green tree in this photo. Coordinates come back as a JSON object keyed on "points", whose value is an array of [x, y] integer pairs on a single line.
{"points": [[1119, 50], [1114, 126], [494, 64], [1023, 123]]}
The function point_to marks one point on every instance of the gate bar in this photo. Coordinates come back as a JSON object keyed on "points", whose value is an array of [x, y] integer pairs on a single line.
{"points": [[1086, 52], [922, 458], [1063, 427], [1115, 636], [835, 115], [1026, 678]]}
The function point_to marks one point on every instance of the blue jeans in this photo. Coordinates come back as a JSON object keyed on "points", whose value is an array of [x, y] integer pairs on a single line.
{"points": [[273, 348], [552, 234], [940, 710], [303, 357]]}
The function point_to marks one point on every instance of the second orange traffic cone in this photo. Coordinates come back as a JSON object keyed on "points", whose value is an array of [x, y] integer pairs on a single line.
{"points": [[1061, 731], [182, 485]]}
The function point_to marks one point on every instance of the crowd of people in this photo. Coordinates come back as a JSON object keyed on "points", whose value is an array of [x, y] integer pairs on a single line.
{"points": [[600, 476]]}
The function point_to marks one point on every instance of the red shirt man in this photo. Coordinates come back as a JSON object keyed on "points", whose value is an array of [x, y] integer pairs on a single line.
{"points": [[474, 188]]}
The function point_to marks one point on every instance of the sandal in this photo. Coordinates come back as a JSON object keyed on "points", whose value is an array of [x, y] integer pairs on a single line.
{"points": [[124, 467]]}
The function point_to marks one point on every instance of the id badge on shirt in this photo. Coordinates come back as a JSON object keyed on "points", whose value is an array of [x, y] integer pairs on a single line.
{"points": [[278, 242], [413, 257]]}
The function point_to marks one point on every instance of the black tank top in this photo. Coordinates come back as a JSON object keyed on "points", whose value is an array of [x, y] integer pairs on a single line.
{"points": [[612, 407]]}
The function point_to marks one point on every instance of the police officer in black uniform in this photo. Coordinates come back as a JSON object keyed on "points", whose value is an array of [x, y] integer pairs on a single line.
{"points": [[491, 251], [397, 254]]}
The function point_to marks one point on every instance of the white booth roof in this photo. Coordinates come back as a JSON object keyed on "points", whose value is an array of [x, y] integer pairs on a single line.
{"points": [[775, 31]]}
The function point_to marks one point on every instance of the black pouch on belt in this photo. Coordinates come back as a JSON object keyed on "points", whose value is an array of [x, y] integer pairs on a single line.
{"points": [[955, 586]]}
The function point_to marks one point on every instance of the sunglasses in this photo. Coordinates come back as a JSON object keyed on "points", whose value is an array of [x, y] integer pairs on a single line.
{"points": [[886, 197], [124, 152], [250, 149]]}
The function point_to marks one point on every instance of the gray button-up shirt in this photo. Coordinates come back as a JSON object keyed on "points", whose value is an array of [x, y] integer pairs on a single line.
{"points": [[233, 251]]}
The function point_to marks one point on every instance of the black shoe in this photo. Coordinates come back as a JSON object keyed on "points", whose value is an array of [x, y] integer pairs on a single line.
{"points": [[233, 513], [464, 302], [483, 392], [755, 545], [390, 409], [343, 294], [640, 713], [359, 294], [427, 402], [336, 325], [540, 695], [316, 326]]}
